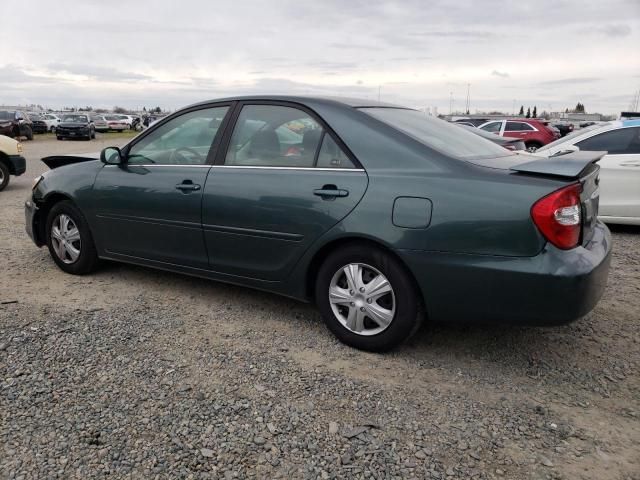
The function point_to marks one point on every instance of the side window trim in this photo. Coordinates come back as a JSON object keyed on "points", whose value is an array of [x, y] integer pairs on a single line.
{"points": [[233, 118], [215, 145]]}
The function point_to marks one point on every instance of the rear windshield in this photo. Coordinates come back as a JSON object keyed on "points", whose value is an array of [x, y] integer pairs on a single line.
{"points": [[439, 134]]}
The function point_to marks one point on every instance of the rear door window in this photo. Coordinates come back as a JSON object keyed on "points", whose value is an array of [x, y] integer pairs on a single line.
{"points": [[517, 127], [332, 156], [274, 136], [620, 141]]}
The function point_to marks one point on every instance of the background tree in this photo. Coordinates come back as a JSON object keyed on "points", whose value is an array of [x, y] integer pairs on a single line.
{"points": [[535, 111], [521, 110], [117, 109], [528, 115], [579, 108], [158, 110]]}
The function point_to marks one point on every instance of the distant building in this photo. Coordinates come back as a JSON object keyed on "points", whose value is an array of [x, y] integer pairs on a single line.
{"points": [[576, 117]]}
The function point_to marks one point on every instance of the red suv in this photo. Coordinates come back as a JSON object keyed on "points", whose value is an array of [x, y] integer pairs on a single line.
{"points": [[535, 133]]}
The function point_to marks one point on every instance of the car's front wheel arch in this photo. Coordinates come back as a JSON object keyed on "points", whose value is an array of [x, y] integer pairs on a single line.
{"points": [[44, 207]]}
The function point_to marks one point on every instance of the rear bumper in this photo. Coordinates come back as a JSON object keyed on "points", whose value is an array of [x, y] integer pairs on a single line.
{"points": [[17, 165], [552, 288]]}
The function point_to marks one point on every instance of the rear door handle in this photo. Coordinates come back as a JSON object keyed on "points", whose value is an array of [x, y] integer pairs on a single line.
{"points": [[330, 191], [187, 186], [631, 163]]}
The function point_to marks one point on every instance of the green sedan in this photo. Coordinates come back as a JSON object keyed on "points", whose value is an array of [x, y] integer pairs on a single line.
{"points": [[381, 215]]}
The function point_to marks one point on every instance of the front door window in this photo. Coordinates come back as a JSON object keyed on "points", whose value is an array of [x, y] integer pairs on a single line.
{"points": [[184, 140]]}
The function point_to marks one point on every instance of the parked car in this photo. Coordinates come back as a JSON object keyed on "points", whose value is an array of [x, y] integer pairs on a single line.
{"points": [[51, 120], [116, 123], [100, 123], [15, 124], [564, 128], [11, 160], [619, 168], [381, 214], [76, 125], [127, 119], [509, 143], [38, 125], [535, 133]]}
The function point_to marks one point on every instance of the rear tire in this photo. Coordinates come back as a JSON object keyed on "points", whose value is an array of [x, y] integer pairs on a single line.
{"points": [[4, 176], [59, 137], [388, 293], [532, 146], [29, 134], [69, 239]]}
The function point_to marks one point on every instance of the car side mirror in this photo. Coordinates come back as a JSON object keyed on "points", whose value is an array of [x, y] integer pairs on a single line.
{"points": [[111, 156]]}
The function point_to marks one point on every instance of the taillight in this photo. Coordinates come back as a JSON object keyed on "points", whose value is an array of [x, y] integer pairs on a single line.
{"points": [[558, 216]]}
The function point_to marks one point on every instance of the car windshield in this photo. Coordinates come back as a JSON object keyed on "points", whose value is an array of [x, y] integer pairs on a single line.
{"points": [[5, 115], [438, 134], [572, 135], [34, 116], [75, 118], [111, 117]]}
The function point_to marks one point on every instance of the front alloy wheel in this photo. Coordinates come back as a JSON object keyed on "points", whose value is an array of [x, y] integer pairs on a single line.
{"points": [[69, 239], [65, 239], [362, 299], [367, 297]]}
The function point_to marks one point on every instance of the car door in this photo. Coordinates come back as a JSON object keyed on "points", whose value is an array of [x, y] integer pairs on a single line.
{"points": [[517, 130], [619, 170], [150, 207], [282, 181]]}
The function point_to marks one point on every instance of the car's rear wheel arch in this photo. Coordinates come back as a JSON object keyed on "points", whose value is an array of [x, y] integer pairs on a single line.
{"points": [[321, 255]]}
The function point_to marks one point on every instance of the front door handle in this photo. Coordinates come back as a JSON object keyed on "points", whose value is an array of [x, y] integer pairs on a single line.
{"points": [[188, 186], [329, 192]]}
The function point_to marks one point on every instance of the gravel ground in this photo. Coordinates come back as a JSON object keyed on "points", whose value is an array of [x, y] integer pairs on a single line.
{"points": [[135, 373]]}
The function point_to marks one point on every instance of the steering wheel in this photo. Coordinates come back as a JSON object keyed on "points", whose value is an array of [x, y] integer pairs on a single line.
{"points": [[186, 149]]}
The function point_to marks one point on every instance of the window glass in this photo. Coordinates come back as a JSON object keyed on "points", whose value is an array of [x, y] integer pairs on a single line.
{"points": [[620, 141], [517, 127], [332, 156], [438, 134], [492, 127], [274, 136], [184, 140]]}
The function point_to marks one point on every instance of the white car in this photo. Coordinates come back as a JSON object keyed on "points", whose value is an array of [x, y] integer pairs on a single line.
{"points": [[619, 168], [51, 120]]}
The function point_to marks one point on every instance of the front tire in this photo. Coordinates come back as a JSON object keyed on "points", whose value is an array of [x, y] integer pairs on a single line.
{"points": [[4, 176], [69, 239], [367, 298], [29, 134]]}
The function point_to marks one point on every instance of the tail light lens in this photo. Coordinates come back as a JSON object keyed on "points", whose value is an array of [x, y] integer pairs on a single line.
{"points": [[558, 216]]}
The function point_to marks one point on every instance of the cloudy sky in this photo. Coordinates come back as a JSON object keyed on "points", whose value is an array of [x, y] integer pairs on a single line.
{"points": [[549, 53]]}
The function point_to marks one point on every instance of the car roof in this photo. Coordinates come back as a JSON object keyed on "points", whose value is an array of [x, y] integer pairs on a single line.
{"points": [[305, 100]]}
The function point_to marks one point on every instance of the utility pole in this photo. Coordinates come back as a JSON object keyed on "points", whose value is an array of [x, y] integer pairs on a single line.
{"points": [[468, 98]]}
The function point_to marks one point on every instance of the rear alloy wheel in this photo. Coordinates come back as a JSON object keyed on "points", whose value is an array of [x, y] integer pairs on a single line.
{"points": [[69, 239], [367, 298], [4, 176], [532, 146]]}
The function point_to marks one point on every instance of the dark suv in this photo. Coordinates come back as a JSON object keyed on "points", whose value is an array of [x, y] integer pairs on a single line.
{"points": [[15, 123]]}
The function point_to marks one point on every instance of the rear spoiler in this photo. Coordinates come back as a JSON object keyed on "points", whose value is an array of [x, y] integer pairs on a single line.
{"points": [[56, 161], [567, 165]]}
